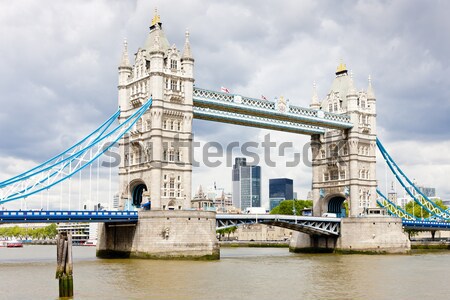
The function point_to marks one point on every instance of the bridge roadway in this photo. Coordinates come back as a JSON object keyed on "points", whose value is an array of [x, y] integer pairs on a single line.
{"points": [[311, 225]]}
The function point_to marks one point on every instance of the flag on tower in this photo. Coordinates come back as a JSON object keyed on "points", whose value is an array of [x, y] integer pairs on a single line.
{"points": [[224, 89], [264, 98]]}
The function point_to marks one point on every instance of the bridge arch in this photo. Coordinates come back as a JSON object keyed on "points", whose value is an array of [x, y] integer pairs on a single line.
{"points": [[334, 204], [137, 189]]}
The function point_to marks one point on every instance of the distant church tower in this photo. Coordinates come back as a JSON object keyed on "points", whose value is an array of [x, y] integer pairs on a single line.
{"points": [[155, 158], [344, 161]]}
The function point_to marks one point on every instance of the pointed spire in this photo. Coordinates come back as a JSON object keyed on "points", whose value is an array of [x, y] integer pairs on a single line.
{"points": [[370, 92], [351, 85], [315, 98], [125, 62], [187, 53], [156, 18], [156, 42], [341, 68]]}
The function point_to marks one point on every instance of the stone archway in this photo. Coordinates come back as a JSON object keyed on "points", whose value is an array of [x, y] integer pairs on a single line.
{"points": [[137, 193], [336, 205]]}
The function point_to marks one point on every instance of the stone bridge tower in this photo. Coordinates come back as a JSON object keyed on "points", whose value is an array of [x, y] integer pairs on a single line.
{"points": [[344, 161], [155, 159]]}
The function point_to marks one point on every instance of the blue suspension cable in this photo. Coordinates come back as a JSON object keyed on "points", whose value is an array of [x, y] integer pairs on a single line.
{"points": [[411, 217], [390, 162], [102, 128], [136, 116]]}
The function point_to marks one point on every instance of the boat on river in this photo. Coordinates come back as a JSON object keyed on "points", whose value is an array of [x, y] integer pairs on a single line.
{"points": [[90, 243], [14, 244]]}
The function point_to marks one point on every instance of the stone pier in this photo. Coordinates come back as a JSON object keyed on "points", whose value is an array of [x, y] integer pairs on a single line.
{"points": [[369, 235], [161, 234]]}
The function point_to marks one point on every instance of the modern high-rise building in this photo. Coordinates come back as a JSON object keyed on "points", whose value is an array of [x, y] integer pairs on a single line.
{"points": [[246, 184], [280, 189]]}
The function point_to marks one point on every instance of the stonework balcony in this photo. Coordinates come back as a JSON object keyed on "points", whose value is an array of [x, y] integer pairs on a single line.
{"points": [[138, 99], [365, 127], [175, 96]]}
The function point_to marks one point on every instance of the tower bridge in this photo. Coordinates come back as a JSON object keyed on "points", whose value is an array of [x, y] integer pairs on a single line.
{"points": [[155, 136]]}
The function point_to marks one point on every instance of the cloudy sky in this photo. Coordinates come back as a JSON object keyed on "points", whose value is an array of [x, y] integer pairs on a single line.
{"points": [[58, 72]]}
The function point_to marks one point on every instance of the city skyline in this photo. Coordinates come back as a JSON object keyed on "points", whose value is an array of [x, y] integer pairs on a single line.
{"points": [[71, 79]]}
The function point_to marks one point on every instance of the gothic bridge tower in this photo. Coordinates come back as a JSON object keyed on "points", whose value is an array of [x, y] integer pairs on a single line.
{"points": [[344, 161], [153, 164]]}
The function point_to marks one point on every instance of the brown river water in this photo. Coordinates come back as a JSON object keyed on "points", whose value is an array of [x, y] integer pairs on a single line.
{"points": [[241, 273]]}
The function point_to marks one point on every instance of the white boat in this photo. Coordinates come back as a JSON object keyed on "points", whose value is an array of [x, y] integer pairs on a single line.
{"points": [[14, 244], [90, 243]]}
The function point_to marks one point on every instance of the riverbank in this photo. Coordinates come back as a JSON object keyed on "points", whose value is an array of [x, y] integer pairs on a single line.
{"points": [[430, 245], [255, 244]]}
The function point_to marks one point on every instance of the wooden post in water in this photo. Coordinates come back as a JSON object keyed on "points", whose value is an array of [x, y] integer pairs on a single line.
{"points": [[64, 266]]}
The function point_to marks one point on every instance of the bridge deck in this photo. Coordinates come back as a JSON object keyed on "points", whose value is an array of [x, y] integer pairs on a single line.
{"points": [[311, 225], [236, 109], [67, 216]]}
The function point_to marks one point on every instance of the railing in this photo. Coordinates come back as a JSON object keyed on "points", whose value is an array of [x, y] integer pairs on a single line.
{"points": [[311, 225], [225, 101], [67, 216], [425, 225], [256, 121]]}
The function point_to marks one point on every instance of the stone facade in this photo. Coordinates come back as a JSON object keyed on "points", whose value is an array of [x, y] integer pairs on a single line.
{"points": [[261, 233], [344, 161], [155, 157], [373, 234], [358, 235], [163, 235]]}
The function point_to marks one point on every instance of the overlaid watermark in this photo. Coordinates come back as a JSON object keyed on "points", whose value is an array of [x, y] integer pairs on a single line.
{"points": [[214, 154]]}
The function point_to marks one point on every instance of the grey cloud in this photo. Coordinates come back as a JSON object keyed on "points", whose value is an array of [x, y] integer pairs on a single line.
{"points": [[58, 65]]}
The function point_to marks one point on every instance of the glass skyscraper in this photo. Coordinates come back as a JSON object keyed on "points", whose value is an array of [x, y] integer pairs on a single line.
{"points": [[280, 189], [246, 184]]}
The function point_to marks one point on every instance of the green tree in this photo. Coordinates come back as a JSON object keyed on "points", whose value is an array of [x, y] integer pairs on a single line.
{"points": [[416, 210], [288, 207], [50, 231], [227, 231]]}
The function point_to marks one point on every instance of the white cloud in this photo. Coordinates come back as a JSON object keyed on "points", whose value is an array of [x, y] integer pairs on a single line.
{"points": [[58, 70]]}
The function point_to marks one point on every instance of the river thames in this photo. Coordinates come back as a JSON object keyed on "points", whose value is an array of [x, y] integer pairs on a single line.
{"points": [[241, 273]]}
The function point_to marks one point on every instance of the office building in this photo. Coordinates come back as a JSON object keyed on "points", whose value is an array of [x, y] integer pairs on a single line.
{"points": [[280, 189], [246, 184]]}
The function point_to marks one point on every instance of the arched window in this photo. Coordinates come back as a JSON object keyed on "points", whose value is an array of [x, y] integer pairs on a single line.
{"points": [[334, 150], [345, 150], [179, 126], [139, 125]]}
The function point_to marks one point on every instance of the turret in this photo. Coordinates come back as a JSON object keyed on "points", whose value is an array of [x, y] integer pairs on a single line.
{"points": [[187, 61], [124, 74], [352, 95], [187, 64], [156, 59], [371, 100], [314, 99]]}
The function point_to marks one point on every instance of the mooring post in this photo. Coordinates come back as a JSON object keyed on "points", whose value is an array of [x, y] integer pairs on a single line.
{"points": [[64, 266]]}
